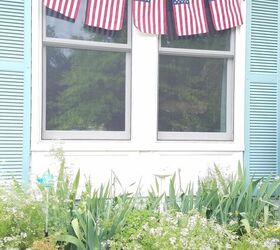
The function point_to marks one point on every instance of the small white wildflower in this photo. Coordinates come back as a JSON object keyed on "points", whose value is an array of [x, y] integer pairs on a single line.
{"points": [[184, 242], [184, 232], [23, 235], [179, 215], [206, 248], [172, 241], [232, 222], [156, 231], [146, 227], [253, 242], [228, 246], [271, 243]]}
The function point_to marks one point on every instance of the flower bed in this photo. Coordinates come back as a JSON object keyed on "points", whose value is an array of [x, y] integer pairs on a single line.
{"points": [[223, 213]]}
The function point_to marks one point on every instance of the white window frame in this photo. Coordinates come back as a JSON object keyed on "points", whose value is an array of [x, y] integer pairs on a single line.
{"points": [[94, 46], [229, 55]]}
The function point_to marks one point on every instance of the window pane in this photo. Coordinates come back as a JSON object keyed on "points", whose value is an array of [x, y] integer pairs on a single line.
{"points": [[192, 94], [60, 28], [85, 90], [212, 41]]}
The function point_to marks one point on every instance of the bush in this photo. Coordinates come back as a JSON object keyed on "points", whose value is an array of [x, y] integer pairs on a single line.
{"points": [[21, 218], [152, 230]]}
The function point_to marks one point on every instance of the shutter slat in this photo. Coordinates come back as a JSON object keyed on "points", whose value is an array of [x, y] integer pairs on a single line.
{"points": [[262, 88], [13, 81]]}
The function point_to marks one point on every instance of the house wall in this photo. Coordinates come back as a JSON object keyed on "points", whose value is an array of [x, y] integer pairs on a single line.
{"points": [[143, 156]]}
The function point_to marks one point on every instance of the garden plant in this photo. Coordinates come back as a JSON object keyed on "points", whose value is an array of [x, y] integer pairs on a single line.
{"points": [[235, 212]]}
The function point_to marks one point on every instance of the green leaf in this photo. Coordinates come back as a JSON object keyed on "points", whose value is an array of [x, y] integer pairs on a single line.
{"points": [[76, 228], [71, 239], [246, 225]]}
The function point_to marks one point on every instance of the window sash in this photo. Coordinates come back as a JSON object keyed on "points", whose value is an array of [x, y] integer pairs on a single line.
{"points": [[205, 136], [90, 45]]}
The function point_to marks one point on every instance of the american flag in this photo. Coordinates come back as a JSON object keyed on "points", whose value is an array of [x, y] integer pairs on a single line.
{"points": [[226, 14], [68, 8], [150, 16], [189, 17], [105, 14]]}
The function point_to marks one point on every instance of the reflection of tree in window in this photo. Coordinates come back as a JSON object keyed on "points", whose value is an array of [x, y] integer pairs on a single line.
{"points": [[190, 94], [90, 94], [85, 88]]}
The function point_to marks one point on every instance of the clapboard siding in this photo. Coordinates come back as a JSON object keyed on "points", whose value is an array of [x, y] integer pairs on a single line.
{"points": [[262, 87]]}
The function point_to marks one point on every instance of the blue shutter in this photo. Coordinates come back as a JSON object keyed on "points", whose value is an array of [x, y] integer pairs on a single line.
{"points": [[15, 75], [262, 88]]}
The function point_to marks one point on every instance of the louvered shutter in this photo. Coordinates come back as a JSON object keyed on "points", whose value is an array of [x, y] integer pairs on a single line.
{"points": [[262, 87], [15, 75]]}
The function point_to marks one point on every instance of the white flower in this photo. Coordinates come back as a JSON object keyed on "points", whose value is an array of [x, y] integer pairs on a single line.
{"points": [[145, 227], [228, 246], [172, 241], [156, 231], [184, 232], [206, 248], [23, 235], [271, 243], [232, 222], [253, 242]]}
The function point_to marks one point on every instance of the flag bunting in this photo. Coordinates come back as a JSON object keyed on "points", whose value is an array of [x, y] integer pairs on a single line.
{"points": [[189, 17], [105, 14], [225, 14], [150, 16], [68, 8]]}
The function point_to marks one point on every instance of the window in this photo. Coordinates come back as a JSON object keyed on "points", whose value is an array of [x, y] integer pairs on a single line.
{"points": [[86, 79], [195, 96]]}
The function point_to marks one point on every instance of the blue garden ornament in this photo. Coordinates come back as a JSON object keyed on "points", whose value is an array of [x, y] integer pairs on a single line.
{"points": [[47, 181]]}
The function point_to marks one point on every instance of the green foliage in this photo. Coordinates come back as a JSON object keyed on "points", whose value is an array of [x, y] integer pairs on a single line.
{"points": [[224, 212], [61, 197], [263, 238], [237, 198], [97, 219], [150, 230], [21, 218]]}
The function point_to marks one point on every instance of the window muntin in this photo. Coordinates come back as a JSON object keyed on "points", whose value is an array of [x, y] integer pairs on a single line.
{"points": [[193, 72], [90, 65]]}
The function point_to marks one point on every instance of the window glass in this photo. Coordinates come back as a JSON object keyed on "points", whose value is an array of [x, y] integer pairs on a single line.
{"points": [[192, 94], [86, 86], [58, 28], [212, 41], [85, 90]]}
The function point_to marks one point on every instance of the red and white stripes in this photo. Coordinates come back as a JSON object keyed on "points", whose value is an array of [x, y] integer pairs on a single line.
{"points": [[150, 16], [226, 14], [105, 14], [189, 17], [68, 8]]}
